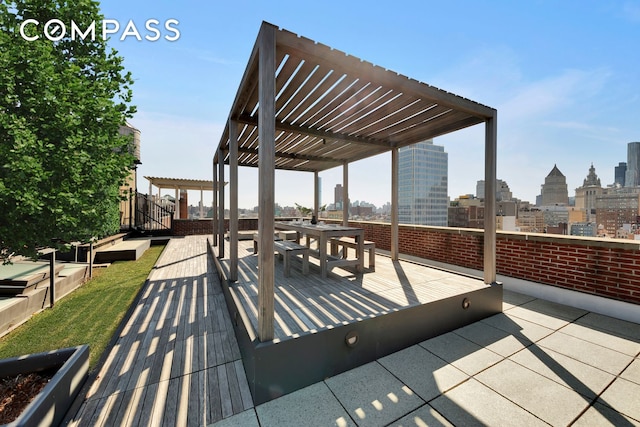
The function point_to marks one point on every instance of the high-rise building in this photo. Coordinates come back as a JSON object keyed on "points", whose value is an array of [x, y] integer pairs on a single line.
{"points": [[619, 173], [632, 175], [337, 196], [586, 195], [554, 189], [422, 186], [616, 209], [503, 192]]}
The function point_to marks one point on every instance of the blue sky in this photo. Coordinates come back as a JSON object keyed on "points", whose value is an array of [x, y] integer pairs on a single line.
{"points": [[564, 77]]}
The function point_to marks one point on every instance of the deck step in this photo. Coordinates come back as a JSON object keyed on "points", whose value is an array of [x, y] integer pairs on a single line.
{"points": [[127, 250]]}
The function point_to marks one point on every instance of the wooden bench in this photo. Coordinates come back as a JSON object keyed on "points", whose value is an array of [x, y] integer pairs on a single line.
{"points": [[288, 249], [288, 235], [350, 242], [256, 241]]}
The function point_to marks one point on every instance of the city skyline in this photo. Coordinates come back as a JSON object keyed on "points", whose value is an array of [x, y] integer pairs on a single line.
{"points": [[560, 76]]}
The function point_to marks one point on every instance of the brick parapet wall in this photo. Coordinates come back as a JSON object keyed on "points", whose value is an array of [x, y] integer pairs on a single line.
{"points": [[188, 227], [608, 268]]}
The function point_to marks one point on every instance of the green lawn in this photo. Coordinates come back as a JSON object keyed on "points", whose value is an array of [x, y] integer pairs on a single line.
{"points": [[89, 315]]}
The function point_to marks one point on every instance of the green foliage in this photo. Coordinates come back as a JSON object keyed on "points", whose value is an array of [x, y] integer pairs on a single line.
{"points": [[89, 315], [304, 211], [61, 104]]}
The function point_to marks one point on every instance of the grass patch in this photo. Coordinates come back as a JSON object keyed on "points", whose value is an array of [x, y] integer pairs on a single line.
{"points": [[89, 315]]}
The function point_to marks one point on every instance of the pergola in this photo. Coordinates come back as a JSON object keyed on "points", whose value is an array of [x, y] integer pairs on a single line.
{"points": [[304, 106], [179, 184]]}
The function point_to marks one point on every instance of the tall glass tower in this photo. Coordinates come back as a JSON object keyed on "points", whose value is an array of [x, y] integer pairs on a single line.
{"points": [[632, 175], [422, 184]]}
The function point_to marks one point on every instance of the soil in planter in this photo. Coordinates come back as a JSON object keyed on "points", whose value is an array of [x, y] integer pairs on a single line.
{"points": [[18, 391]]}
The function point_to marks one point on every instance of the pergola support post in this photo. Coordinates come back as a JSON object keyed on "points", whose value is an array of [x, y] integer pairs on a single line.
{"points": [[176, 215], [316, 195], [266, 185], [394, 203], [233, 200], [215, 203], [490, 199], [221, 203], [345, 194], [201, 203]]}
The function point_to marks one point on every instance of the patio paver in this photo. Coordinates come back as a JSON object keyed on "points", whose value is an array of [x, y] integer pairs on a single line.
{"points": [[372, 396], [424, 372], [540, 396]]}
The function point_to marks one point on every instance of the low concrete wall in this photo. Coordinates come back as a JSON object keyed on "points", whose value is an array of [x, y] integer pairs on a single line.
{"points": [[18, 309]]}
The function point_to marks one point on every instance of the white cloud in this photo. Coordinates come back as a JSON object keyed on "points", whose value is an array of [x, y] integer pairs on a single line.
{"points": [[546, 97]]}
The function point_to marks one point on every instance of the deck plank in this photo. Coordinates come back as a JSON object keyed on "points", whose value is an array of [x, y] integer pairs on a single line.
{"points": [[166, 363], [308, 303]]}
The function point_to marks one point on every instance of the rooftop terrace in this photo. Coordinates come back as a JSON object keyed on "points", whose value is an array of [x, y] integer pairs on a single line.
{"points": [[537, 363]]}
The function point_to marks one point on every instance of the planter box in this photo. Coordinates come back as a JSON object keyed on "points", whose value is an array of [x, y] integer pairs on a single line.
{"points": [[51, 404]]}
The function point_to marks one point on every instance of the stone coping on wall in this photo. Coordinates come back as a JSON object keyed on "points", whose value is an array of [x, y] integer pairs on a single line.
{"points": [[517, 235]]}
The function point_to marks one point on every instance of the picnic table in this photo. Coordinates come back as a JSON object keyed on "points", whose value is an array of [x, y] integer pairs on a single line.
{"points": [[323, 233]]}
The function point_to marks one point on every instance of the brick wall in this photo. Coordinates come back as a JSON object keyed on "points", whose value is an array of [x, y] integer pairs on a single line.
{"points": [[188, 227], [607, 268]]}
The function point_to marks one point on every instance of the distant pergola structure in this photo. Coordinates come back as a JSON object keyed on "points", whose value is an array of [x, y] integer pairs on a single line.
{"points": [[303, 106], [179, 184]]}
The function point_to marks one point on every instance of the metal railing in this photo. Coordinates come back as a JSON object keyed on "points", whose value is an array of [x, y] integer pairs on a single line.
{"points": [[150, 215]]}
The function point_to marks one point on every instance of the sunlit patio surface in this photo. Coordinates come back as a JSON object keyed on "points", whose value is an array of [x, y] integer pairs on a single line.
{"points": [[325, 326], [177, 361]]}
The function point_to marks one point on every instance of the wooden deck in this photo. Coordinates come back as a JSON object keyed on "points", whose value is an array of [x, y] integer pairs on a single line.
{"points": [[308, 303], [177, 360], [325, 326]]}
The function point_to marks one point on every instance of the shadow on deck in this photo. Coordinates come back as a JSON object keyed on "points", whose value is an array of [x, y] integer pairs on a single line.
{"points": [[327, 326]]}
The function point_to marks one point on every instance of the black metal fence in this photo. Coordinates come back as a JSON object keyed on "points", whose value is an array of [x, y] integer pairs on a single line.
{"points": [[144, 214]]}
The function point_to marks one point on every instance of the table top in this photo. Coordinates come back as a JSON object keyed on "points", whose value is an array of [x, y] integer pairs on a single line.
{"points": [[293, 225]]}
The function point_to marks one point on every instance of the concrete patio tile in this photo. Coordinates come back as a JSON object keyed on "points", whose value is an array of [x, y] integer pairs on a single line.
{"points": [[632, 373], [472, 403], [603, 416], [592, 354], [426, 374], [605, 323], [496, 340], [372, 396], [246, 419], [538, 318], [605, 339], [315, 402], [555, 309], [622, 396], [465, 355], [518, 327], [546, 313], [512, 299], [582, 378], [546, 399], [424, 416]]}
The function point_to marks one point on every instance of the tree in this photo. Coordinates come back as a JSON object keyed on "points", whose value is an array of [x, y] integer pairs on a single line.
{"points": [[61, 105]]}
